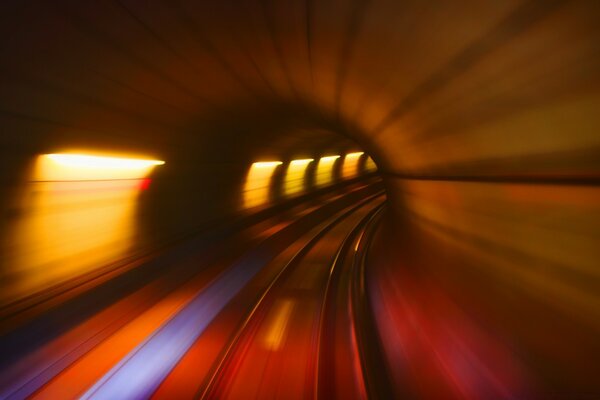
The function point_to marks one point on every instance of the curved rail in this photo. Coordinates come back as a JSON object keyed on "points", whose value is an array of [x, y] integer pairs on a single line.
{"points": [[218, 373]]}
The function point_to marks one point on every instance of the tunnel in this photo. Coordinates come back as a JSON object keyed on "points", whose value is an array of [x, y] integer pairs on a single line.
{"points": [[302, 199]]}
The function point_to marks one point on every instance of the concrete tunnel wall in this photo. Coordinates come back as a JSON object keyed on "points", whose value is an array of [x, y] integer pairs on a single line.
{"points": [[482, 117], [200, 186]]}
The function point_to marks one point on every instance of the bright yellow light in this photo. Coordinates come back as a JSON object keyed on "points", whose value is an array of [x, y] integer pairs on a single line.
{"points": [[258, 183], [70, 167], [85, 161], [350, 166], [324, 173], [266, 164], [356, 154], [295, 176], [302, 162]]}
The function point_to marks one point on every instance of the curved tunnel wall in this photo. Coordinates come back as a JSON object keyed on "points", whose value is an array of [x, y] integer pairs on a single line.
{"points": [[481, 116], [84, 215]]}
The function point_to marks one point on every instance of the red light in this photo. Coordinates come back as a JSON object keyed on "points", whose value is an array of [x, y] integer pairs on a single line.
{"points": [[145, 183]]}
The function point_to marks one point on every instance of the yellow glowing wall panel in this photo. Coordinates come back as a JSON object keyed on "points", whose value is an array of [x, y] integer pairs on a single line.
{"points": [[257, 186], [350, 165], [77, 214], [295, 177], [370, 165], [324, 172]]}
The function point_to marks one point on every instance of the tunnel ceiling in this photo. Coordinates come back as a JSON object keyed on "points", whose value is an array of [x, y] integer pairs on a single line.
{"points": [[428, 88]]}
